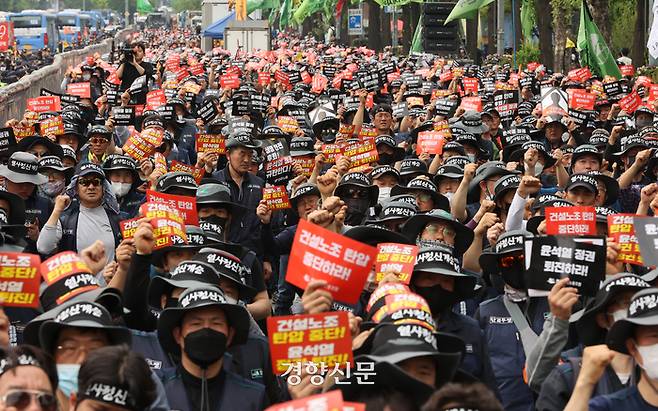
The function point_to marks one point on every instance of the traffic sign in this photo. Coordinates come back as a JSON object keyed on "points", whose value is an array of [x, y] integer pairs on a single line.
{"points": [[354, 22]]}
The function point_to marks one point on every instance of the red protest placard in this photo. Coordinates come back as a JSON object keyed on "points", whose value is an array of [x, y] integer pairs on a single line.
{"points": [[155, 99], [234, 71], [346, 131], [653, 93], [6, 35], [570, 221], [52, 126], [631, 102], [62, 265], [276, 197], [472, 103], [319, 254], [307, 163], [398, 258], [197, 173], [319, 83], [367, 133], [627, 70], [415, 102], [172, 64], [323, 338], [532, 66], [166, 222], [113, 79], [288, 124], [186, 206], [181, 74], [580, 75], [128, 227], [430, 142], [138, 147], [329, 401], [470, 84], [397, 302], [210, 143], [160, 163], [229, 81], [79, 89], [331, 151], [622, 231], [20, 132], [353, 406], [197, 69], [44, 103], [282, 77], [362, 153], [264, 78], [581, 100], [19, 279], [446, 76]]}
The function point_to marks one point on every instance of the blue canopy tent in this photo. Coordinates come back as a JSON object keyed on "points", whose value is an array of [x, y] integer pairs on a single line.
{"points": [[216, 30]]}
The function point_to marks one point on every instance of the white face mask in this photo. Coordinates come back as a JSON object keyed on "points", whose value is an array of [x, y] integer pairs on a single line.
{"points": [[384, 194], [649, 355], [619, 315], [449, 196], [120, 189]]}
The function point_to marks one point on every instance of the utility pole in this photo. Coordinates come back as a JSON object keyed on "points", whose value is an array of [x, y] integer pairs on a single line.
{"points": [[394, 37], [126, 12], [500, 41]]}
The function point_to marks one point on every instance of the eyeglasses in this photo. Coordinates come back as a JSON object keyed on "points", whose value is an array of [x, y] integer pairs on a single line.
{"points": [[91, 182], [510, 260], [21, 399], [98, 140], [446, 230], [357, 193], [72, 350]]}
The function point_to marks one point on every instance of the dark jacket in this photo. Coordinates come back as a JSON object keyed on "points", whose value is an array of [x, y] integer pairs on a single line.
{"points": [[246, 229], [506, 349], [69, 222]]}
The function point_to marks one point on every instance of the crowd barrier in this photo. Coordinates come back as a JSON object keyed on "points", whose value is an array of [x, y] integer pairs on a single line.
{"points": [[13, 98]]}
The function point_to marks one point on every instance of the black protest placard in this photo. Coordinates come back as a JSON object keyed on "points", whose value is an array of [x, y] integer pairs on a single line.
{"points": [[552, 258], [446, 107], [329, 71], [370, 81], [294, 77], [242, 126], [387, 68], [241, 106], [351, 103], [7, 141], [613, 89], [139, 86], [400, 109], [208, 111], [506, 103], [123, 116], [526, 81], [278, 162], [579, 117], [167, 112], [260, 102], [646, 231], [414, 81]]}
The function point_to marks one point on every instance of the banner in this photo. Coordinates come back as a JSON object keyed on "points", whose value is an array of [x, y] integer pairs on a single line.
{"points": [[6, 35], [631, 102], [555, 257], [323, 338], [52, 126], [329, 401], [44, 103], [82, 90], [276, 197], [155, 99], [361, 153], [466, 9], [398, 258], [186, 206], [20, 280], [581, 100], [210, 143], [620, 228], [320, 254], [430, 142], [570, 221]]}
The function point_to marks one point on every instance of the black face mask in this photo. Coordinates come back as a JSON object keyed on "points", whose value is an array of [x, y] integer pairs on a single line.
{"points": [[205, 346], [513, 276], [356, 210], [171, 302], [385, 159], [548, 180], [214, 223], [438, 298]]}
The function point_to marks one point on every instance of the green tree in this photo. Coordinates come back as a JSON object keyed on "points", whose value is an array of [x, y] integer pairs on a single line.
{"points": [[182, 5]]}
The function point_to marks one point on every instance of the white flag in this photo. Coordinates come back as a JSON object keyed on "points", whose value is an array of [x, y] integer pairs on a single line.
{"points": [[652, 44]]}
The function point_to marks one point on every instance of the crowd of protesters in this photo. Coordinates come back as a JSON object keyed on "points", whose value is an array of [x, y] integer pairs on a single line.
{"points": [[193, 219]]}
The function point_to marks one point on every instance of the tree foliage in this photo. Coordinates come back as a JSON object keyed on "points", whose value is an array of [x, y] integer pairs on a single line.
{"points": [[182, 5]]}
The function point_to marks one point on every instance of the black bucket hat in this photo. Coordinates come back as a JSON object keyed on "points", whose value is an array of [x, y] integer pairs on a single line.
{"points": [[243, 140], [357, 179], [82, 314], [187, 274], [217, 195], [448, 171], [196, 239], [471, 122], [176, 179], [411, 166], [484, 172], [518, 154], [380, 171], [439, 260], [582, 180], [427, 186], [588, 330], [505, 184], [303, 190], [416, 224], [633, 141], [643, 310], [302, 146], [375, 234], [454, 146], [28, 142], [398, 152], [230, 267], [611, 186], [583, 150], [122, 162], [55, 163], [507, 243], [459, 161], [395, 210], [200, 297]]}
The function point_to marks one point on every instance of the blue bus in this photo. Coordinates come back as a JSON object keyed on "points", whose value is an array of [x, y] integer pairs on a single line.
{"points": [[96, 22], [35, 29], [72, 25]]}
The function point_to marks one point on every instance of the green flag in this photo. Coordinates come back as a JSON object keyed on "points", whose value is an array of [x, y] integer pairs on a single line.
{"points": [[285, 13], [253, 5], [593, 51], [144, 6], [527, 19], [305, 9], [396, 3], [466, 9], [417, 42]]}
